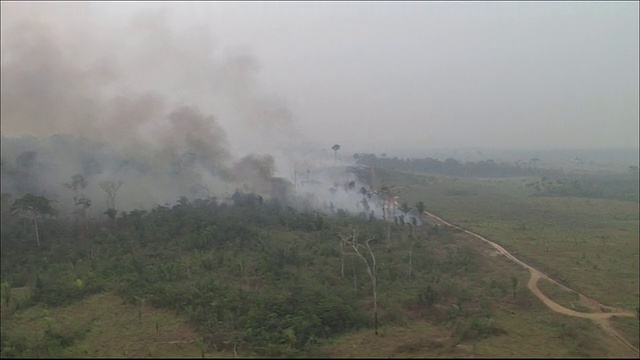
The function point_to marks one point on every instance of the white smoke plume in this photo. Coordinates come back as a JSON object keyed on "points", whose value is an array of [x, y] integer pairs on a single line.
{"points": [[144, 102]]}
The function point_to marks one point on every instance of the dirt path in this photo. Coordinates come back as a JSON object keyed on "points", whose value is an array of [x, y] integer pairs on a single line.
{"points": [[602, 313]]}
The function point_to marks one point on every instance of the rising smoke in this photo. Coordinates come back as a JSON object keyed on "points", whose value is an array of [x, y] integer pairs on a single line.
{"points": [[144, 102]]}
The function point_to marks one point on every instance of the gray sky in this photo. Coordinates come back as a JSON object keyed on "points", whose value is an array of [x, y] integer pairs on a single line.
{"points": [[367, 75]]}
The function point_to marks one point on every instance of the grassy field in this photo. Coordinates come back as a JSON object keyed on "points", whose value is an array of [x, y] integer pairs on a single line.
{"points": [[629, 328], [589, 244], [422, 340], [528, 328], [103, 326], [568, 299]]}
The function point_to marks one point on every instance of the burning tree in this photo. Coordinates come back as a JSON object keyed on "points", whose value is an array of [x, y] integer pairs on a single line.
{"points": [[390, 197]]}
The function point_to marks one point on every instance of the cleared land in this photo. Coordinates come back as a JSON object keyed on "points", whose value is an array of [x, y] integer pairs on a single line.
{"points": [[590, 245]]}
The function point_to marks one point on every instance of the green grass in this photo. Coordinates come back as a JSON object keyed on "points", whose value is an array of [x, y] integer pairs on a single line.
{"points": [[530, 329], [590, 244], [542, 333], [568, 299], [629, 328], [102, 326]]}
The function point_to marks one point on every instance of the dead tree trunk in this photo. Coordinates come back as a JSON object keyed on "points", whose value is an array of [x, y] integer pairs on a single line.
{"points": [[35, 223], [352, 242], [355, 279], [342, 259]]}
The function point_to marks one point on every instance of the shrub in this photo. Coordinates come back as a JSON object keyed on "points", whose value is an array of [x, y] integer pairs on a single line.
{"points": [[56, 291], [476, 328], [427, 297]]}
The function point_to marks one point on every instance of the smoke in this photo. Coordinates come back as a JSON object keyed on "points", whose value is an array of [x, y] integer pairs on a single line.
{"points": [[112, 81], [140, 100]]}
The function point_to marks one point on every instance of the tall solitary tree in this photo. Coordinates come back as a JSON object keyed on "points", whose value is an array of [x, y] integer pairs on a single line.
{"points": [[335, 149], [111, 188]]}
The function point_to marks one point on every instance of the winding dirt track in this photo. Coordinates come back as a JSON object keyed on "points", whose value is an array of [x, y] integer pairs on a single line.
{"points": [[602, 313]]}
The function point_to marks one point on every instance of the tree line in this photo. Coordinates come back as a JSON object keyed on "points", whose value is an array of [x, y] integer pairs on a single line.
{"points": [[452, 167]]}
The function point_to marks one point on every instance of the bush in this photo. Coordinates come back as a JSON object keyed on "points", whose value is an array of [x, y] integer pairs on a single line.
{"points": [[427, 297], [478, 327], [56, 291], [13, 347]]}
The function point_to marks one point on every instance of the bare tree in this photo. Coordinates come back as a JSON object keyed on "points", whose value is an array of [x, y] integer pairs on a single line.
{"points": [[31, 207], [111, 188], [342, 259], [411, 261], [356, 249], [77, 183], [81, 202]]}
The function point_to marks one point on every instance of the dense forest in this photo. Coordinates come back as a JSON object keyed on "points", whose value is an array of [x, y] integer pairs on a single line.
{"points": [[256, 274]]}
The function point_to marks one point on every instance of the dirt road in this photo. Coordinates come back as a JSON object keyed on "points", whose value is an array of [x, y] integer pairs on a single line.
{"points": [[601, 314]]}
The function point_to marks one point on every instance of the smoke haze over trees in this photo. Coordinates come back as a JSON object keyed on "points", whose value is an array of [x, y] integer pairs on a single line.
{"points": [[140, 101]]}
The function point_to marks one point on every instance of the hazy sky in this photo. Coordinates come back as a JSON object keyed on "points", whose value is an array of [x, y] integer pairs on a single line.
{"points": [[366, 75]]}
